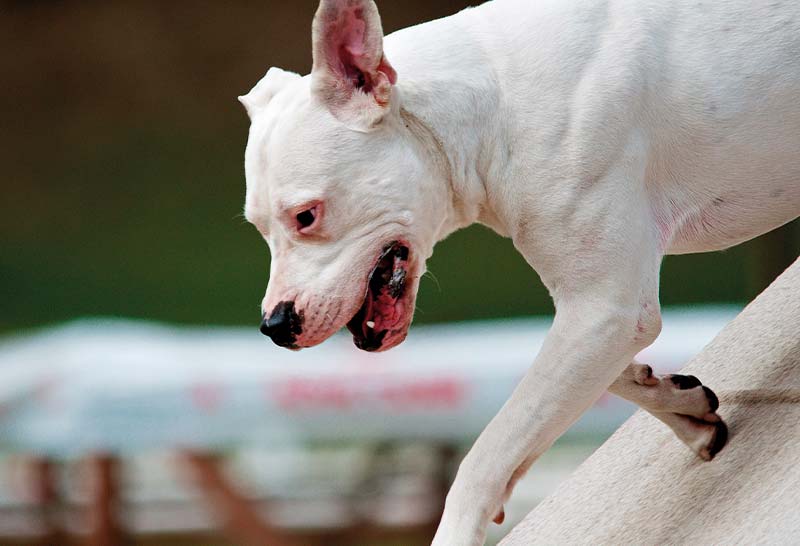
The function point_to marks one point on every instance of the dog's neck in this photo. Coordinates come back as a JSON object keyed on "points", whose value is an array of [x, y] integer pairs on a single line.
{"points": [[450, 99]]}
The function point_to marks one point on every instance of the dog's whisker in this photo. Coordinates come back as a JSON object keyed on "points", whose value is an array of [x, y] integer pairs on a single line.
{"points": [[435, 279]]}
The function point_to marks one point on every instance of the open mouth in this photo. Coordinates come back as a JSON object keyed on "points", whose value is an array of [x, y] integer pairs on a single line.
{"points": [[382, 310]]}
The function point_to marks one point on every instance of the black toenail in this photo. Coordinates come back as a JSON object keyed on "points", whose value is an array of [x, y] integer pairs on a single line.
{"points": [[713, 401], [720, 439], [684, 382], [649, 371]]}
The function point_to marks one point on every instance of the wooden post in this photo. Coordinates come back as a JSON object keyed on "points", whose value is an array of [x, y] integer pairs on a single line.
{"points": [[46, 496], [103, 513], [240, 520]]}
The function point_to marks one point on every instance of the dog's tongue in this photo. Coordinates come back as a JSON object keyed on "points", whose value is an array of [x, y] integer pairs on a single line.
{"points": [[386, 311]]}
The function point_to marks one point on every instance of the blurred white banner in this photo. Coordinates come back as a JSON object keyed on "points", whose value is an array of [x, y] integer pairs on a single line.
{"points": [[125, 386]]}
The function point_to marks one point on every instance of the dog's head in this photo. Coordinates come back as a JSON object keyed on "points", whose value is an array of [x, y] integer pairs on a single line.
{"points": [[340, 188]]}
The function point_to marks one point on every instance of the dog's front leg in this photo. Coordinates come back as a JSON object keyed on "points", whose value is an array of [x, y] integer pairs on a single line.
{"points": [[605, 314]]}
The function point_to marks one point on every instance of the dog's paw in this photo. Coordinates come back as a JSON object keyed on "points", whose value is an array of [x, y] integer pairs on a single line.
{"points": [[717, 441], [692, 414], [691, 397], [705, 438], [687, 406], [681, 394]]}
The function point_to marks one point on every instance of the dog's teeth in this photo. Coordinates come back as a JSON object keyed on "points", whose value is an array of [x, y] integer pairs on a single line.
{"points": [[370, 324]]}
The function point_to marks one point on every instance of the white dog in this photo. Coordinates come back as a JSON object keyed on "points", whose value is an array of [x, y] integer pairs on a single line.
{"points": [[599, 135]]}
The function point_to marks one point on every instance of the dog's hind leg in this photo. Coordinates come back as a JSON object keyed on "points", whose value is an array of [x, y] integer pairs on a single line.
{"points": [[681, 402]]}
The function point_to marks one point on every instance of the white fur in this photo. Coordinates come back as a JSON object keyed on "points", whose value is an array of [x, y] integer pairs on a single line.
{"points": [[598, 135]]}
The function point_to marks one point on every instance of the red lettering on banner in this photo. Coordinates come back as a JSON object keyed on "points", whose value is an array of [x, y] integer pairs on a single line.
{"points": [[206, 396], [346, 394], [430, 393], [314, 393]]}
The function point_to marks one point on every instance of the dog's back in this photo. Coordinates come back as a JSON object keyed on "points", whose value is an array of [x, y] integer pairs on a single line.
{"points": [[708, 91]]}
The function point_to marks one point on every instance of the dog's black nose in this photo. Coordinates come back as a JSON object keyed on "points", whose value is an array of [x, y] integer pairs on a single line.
{"points": [[283, 325]]}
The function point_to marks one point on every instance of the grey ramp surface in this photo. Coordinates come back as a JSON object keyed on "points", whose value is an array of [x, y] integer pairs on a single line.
{"points": [[644, 487]]}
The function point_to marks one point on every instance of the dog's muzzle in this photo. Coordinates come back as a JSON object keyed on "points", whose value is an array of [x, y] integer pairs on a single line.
{"points": [[283, 325]]}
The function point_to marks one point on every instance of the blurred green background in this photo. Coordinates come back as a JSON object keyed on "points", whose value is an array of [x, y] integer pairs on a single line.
{"points": [[122, 145]]}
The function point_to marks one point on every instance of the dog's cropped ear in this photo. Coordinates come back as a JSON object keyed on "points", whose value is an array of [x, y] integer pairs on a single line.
{"points": [[260, 95], [350, 74]]}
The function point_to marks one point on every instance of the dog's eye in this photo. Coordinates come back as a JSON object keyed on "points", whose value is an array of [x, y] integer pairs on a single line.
{"points": [[306, 218]]}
